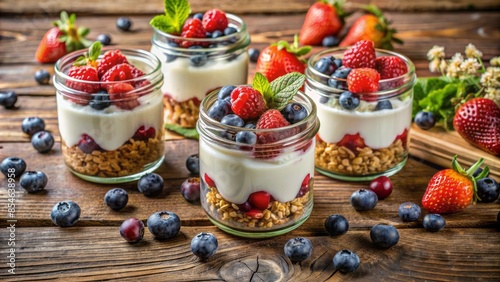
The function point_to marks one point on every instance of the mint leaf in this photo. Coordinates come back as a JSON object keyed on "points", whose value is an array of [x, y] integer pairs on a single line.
{"points": [[261, 84], [176, 13], [284, 88], [186, 132]]}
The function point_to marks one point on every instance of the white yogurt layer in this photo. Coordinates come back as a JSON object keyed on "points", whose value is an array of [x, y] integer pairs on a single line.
{"points": [[184, 82], [379, 129], [237, 175], [112, 127]]}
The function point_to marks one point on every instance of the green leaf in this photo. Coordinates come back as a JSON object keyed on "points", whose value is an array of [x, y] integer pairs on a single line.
{"points": [[261, 84], [186, 132], [284, 88], [176, 13]]}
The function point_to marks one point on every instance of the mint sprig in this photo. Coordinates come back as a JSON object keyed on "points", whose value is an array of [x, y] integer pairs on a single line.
{"points": [[280, 91], [176, 13]]}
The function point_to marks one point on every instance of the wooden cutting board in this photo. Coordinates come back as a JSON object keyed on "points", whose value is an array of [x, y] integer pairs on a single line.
{"points": [[439, 146]]}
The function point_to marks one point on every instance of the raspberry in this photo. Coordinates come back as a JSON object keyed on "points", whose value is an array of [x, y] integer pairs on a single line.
{"points": [[352, 141], [247, 102], [144, 134], [360, 55], [390, 67], [120, 95], [271, 119], [193, 28], [214, 19], [122, 72], [83, 73], [110, 59], [363, 80]]}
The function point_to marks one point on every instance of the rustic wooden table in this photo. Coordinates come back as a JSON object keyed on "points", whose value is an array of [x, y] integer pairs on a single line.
{"points": [[467, 249]]}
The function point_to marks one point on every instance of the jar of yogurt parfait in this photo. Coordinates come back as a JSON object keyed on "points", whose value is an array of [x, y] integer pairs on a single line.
{"points": [[111, 124], [193, 67], [367, 136], [253, 188]]}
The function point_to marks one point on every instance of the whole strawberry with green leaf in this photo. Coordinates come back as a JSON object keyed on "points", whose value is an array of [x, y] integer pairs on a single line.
{"points": [[62, 39], [478, 121], [323, 18], [281, 58], [453, 189]]}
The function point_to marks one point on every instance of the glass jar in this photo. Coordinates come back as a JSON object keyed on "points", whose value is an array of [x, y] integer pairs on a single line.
{"points": [[366, 142], [111, 138], [191, 73], [259, 190]]}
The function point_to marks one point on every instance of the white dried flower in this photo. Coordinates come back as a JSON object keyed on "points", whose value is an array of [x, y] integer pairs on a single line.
{"points": [[491, 77], [434, 65], [470, 66], [495, 62], [443, 65], [436, 52], [472, 52], [493, 94]]}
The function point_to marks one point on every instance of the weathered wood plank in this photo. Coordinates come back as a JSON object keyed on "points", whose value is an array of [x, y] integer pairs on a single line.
{"points": [[99, 253]]}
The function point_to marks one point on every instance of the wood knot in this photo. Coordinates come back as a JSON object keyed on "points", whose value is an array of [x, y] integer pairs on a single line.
{"points": [[255, 269]]}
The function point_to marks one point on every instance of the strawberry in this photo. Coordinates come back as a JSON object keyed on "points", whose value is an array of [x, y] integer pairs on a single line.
{"points": [[213, 20], [122, 72], [453, 189], [144, 134], [360, 55], [121, 96], [324, 17], [247, 102], [363, 80], [390, 66], [192, 28], [352, 141], [372, 26], [110, 59], [63, 38], [281, 58], [259, 200], [478, 122], [209, 181], [272, 118]]}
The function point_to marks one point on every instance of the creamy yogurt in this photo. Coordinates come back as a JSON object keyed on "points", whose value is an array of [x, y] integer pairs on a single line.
{"points": [[237, 176], [184, 81], [112, 127]]}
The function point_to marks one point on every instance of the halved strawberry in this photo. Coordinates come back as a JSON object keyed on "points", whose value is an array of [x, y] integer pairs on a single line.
{"points": [[121, 95], [352, 141]]}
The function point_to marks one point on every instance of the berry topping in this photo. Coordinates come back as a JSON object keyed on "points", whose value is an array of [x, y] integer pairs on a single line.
{"points": [[360, 55], [192, 28], [225, 92], [120, 95], [109, 60], [121, 72], [247, 102], [259, 200], [87, 144], [144, 134], [294, 112], [85, 73], [352, 141], [349, 100], [219, 109], [325, 65], [363, 80], [390, 66], [214, 19]]}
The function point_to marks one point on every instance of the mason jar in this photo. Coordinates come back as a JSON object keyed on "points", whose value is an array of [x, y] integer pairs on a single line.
{"points": [[191, 73], [258, 190], [111, 138], [366, 142]]}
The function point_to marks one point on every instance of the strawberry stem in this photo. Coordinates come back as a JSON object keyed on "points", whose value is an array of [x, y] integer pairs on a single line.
{"points": [[469, 173]]}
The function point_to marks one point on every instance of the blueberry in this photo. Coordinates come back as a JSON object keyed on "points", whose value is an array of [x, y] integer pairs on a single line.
{"points": [[250, 125], [198, 60], [253, 54], [105, 39], [433, 222], [219, 109], [193, 163], [100, 101], [216, 34], [349, 100], [364, 200], [478, 172], [42, 76], [425, 120], [230, 30], [409, 211], [116, 198], [298, 249], [338, 78], [32, 125], [383, 105], [190, 189], [232, 120], [123, 23], [294, 112], [225, 92], [346, 261], [87, 145], [33, 181], [341, 72], [246, 137], [330, 41], [337, 62], [132, 230], [13, 167], [488, 190], [65, 213], [42, 141], [325, 65], [324, 99], [198, 16], [336, 224], [150, 184], [204, 245], [8, 99], [171, 57], [384, 235], [164, 225]]}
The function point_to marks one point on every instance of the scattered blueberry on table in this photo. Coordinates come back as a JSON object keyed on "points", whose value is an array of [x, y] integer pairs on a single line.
{"points": [[124, 23], [190, 189], [150, 184], [8, 99], [132, 230], [164, 224], [32, 125], [204, 245], [193, 163], [105, 39], [12, 166], [488, 190], [409, 211], [336, 224], [42, 141], [298, 249], [116, 198], [433, 222], [42, 76], [384, 235], [33, 181], [363, 200], [65, 213], [346, 261]]}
